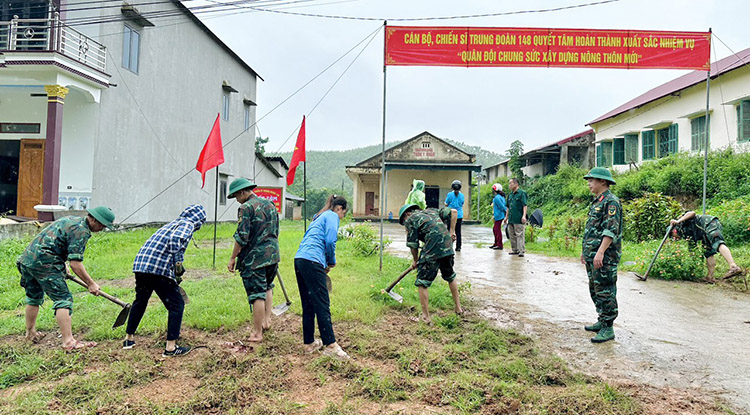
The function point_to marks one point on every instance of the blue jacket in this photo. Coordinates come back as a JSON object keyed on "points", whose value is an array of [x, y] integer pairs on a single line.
{"points": [[167, 246], [498, 207], [319, 243], [456, 202]]}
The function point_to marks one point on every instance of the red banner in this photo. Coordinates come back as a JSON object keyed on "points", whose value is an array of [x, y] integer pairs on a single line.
{"points": [[274, 194], [559, 48]]}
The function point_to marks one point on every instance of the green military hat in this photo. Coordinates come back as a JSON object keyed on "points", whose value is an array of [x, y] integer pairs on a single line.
{"points": [[600, 173], [240, 184], [103, 214], [403, 210]]}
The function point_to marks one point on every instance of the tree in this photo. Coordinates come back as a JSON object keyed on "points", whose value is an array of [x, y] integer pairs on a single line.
{"points": [[514, 152], [260, 144]]}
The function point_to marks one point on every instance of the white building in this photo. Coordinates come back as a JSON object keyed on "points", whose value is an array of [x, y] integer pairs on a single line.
{"points": [[140, 95], [671, 117]]}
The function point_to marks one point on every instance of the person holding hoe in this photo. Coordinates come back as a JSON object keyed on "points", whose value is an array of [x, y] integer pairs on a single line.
{"points": [[314, 259], [158, 267], [706, 229], [256, 252], [428, 227], [602, 247], [43, 270]]}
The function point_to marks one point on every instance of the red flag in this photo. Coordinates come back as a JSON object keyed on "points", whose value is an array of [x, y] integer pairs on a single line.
{"points": [[212, 154], [299, 154]]}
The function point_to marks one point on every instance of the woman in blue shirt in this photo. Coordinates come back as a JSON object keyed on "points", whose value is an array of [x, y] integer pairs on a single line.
{"points": [[315, 257], [498, 212], [455, 200]]}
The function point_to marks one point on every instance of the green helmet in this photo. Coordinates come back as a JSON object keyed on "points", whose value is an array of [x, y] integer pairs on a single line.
{"points": [[404, 209], [600, 173], [240, 184], [103, 214]]}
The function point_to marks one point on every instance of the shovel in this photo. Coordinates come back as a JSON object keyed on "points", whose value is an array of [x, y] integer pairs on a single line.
{"points": [[123, 316], [281, 308], [393, 295], [656, 254]]}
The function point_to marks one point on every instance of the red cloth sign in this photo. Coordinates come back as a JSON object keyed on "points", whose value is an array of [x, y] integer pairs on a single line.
{"points": [[298, 155], [560, 48], [212, 154], [274, 194]]}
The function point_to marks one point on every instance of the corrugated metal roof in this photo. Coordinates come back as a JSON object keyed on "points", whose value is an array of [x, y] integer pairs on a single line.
{"points": [[693, 78]]}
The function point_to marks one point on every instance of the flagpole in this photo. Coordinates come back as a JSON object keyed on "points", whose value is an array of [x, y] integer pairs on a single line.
{"points": [[382, 155], [216, 212], [304, 190]]}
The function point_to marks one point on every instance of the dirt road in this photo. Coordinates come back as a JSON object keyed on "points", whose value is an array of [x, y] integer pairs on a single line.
{"points": [[683, 335]]}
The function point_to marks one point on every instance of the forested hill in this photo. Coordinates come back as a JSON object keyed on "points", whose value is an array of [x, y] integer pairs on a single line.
{"points": [[327, 169]]}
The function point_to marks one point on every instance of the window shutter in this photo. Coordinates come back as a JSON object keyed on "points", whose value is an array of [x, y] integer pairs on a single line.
{"points": [[648, 145], [619, 150], [743, 121], [631, 148], [673, 139]]}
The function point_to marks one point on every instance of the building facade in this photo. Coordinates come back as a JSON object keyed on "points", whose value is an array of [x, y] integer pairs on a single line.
{"points": [[424, 157], [577, 149], [105, 104], [672, 117]]}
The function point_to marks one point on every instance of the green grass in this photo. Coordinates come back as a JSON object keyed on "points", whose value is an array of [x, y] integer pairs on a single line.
{"points": [[459, 365]]}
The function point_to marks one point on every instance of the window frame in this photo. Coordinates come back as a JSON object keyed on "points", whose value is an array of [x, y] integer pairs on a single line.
{"points": [[648, 145], [631, 146], [247, 117], [743, 117], [667, 139], [601, 157], [225, 105], [618, 151], [223, 181], [128, 58], [698, 128]]}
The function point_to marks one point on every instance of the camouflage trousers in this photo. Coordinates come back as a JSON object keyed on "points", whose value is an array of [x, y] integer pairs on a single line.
{"points": [[258, 281], [603, 290], [46, 279], [427, 271], [713, 238]]}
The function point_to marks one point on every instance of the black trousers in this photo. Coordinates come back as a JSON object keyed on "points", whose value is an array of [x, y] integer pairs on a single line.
{"points": [[166, 289], [458, 233], [313, 294]]}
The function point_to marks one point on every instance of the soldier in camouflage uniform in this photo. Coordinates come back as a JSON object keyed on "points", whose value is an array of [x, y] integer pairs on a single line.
{"points": [[256, 252], [42, 268], [707, 230], [602, 247], [429, 226]]}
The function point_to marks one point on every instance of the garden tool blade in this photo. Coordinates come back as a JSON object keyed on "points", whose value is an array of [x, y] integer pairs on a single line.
{"points": [[122, 317], [395, 296], [184, 295], [640, 277], [281, 309], [329, 284]]}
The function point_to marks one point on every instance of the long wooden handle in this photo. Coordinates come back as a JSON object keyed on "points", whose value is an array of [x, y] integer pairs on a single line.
{"points": [[400, 277], [101, 293], [283, 289], [669, 229]]}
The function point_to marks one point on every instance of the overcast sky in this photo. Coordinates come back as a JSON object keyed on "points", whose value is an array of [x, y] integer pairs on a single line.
{"points": [[489, 107]]}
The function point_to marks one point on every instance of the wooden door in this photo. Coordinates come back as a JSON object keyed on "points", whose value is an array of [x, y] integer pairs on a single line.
{"points": [[30, 176], [369, 203]]}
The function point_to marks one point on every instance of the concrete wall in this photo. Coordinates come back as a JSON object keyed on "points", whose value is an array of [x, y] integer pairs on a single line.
{"points": [[399, 185], [501, 170], [80, 117], [153, 125], [533, 170], [415, 150], [726, 90]]}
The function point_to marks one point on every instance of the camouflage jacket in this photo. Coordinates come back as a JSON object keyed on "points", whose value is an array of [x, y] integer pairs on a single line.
{"points": [[605, 219], [429, 227], [258, 234], [697, 229], [63, 240]]}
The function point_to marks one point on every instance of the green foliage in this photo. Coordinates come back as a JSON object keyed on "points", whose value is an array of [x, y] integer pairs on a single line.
{"points": [[515, 165], [260, 144], [648, 217], [677, 260], [734, 216], [363, 237], [316, 199]]}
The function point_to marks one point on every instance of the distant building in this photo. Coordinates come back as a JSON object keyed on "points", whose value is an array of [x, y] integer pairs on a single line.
{"points": [[425, 157], [672, 117], [501, 169], [113, 111], [577, 149]]}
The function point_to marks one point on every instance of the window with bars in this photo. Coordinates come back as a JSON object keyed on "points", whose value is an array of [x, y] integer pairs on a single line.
{"points": [[667, 140], [618, 145], [649, 144], [743, 121], [131, 45], [604, 155], [631, 148], [698, 133]]}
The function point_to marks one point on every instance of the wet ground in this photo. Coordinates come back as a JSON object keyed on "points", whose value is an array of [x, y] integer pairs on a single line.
{"points": [[682, 335]]}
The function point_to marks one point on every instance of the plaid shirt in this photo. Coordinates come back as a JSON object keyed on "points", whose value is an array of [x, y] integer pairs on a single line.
{"points": [[167, 246]]}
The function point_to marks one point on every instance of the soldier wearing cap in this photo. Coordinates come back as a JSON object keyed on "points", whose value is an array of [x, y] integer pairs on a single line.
{"points": [[256, 251], [428, 226], [602, 247], [43, 271]]}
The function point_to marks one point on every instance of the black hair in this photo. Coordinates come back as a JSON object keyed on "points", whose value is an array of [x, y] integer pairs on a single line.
{"points": [[338, 201]]}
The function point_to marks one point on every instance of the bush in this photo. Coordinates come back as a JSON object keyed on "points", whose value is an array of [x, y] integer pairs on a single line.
{"points": [[364, 238], [734, 216], [677, 260], [648, 217]]}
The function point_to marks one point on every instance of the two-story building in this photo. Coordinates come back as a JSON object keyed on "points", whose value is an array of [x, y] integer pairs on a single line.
{"points": [[103, 103], [672, 117]]}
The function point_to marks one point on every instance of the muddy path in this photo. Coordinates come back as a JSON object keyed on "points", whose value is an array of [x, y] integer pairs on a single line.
{"points": [[669, 334]]}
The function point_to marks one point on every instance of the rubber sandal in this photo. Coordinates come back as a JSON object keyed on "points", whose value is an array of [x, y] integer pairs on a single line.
{"points": [[36, 338], [79, 345], [313, 347], [732, 273], [336, 353]]}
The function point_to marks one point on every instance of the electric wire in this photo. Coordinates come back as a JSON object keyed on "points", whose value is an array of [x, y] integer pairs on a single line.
{"points": [[173, 183], [721, 93]]}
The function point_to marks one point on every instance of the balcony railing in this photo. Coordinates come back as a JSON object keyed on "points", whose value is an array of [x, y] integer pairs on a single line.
{"points": [[52, 35]]}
